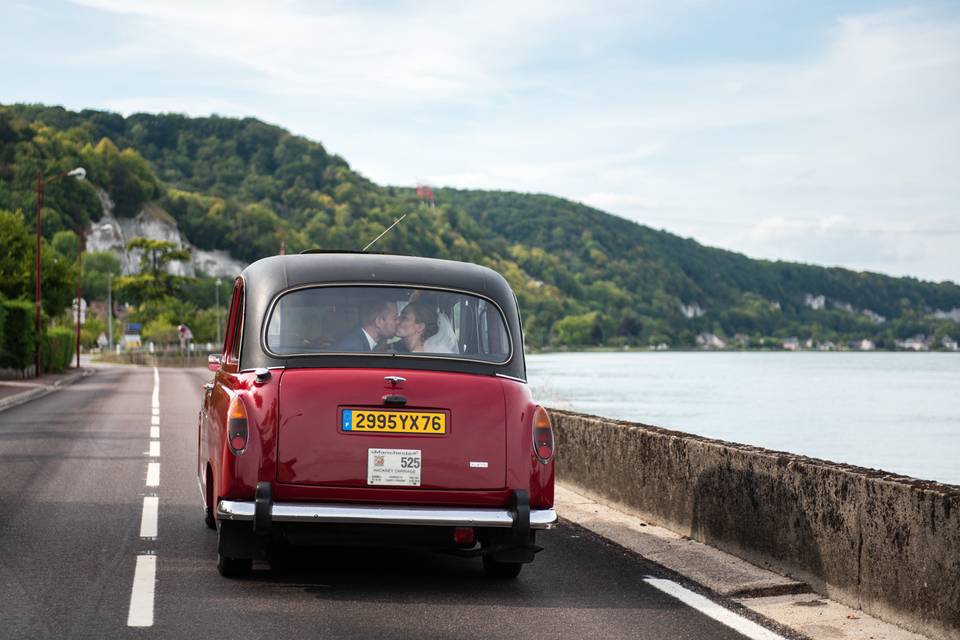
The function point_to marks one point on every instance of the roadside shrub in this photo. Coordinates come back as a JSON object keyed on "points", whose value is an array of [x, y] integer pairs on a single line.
{"points": [[3, 321], [16, 343], [60, 343]]}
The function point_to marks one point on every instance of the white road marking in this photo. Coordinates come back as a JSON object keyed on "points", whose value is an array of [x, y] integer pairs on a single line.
{"points": [[156, 411], [713, 610], [148, 520], [155, 421], [154, 449], [141, 596], [153, 474], [155, 432]]}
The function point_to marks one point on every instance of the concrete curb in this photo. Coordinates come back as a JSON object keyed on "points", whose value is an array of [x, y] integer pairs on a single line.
{"points": [[32, 394], [783, 600]]}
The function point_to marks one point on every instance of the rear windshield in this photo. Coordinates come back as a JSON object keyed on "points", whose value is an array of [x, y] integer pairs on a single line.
{"points": [[400, 321]]}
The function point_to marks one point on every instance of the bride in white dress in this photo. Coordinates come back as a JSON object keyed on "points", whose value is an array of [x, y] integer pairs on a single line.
{"points": [[444, 340], [423, 329]]}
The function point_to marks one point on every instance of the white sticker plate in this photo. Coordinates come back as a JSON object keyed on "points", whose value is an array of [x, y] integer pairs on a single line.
{"points": [[394, 467]]}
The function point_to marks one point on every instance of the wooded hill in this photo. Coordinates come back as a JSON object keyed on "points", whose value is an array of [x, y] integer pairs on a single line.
{"points": [[583, 277]]}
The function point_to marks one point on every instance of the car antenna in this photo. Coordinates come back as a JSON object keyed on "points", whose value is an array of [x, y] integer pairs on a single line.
{"points": [[395, 223]]}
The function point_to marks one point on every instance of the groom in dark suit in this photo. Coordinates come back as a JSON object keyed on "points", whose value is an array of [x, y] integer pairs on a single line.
{"points": [[378, 323]]}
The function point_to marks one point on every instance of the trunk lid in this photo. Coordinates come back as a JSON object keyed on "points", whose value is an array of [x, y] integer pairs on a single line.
{"points": [[317, 446]]}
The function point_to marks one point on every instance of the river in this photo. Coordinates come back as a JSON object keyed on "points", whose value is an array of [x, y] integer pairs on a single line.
{"points": [[893, 411]]}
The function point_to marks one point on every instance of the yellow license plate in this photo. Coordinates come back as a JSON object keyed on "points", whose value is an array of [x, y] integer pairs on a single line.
{"points": [[408, 422]]}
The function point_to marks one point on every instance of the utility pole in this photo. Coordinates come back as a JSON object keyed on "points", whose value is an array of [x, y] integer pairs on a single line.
{"points": [[36, 281], [79, 173], [110, 310]]}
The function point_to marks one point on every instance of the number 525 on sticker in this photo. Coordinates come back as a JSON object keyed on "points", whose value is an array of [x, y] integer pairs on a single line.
{"points": [[394, 467]]}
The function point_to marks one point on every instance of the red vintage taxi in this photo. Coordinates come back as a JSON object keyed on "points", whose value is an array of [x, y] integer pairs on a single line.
{"points": [[374, 399]]}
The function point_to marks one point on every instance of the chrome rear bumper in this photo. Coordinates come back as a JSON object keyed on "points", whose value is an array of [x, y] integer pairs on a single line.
{"points": [[385, 514]]}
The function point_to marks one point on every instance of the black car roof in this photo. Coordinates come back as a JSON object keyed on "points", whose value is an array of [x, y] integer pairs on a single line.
{"points": [[266, 279]]}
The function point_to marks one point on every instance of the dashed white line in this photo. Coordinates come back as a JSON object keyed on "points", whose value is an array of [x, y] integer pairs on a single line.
{"points": [[145, 574], [713, 610], [141, 597], [153, 474], [148, 520]]}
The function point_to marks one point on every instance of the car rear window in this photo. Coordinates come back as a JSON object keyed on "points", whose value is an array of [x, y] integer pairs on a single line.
{"points": [[397, 321]]}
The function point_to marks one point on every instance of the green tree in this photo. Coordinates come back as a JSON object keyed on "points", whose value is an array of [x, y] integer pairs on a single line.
{"points": [[17, 266], [154, 280], [98, 267], [577, 330]]}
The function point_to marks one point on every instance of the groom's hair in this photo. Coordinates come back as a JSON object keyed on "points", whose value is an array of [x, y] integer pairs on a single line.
{"points": [[371, 310]]}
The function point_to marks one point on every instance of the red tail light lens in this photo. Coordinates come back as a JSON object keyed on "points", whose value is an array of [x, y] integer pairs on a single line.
{"points": [[237, 426], [542, 435], [464, 536]]}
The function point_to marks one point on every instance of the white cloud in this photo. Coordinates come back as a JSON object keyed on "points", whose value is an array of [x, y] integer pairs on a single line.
{"points": [[845, 154]]}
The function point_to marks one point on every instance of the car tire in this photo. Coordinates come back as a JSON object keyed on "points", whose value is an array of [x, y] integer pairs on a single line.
{"points": [[501, 570], [208, 518], [234, 567]]}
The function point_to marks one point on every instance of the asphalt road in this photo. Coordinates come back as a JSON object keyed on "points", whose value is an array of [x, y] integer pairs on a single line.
{"points": [[73, 473]]}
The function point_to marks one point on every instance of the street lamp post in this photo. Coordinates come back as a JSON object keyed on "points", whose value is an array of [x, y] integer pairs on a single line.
{"points": [[80, 246], [79, 173], [217, 304]]}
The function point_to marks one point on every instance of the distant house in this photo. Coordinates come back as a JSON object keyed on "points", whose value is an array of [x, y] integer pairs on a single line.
{"points": [[949, 344], [953, 314], [918, 342], [827, 346], [791, 344], [815, 302], [692, 310], [97, 309], [867, 345], [711, 341], [131, 335]]}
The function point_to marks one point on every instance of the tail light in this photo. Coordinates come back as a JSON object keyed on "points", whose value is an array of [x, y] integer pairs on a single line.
{"points": [[464, 536], [542, 435], [237, 426]]}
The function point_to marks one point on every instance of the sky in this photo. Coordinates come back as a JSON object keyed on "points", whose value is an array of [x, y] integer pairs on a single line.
{"points": [[821, 132]]}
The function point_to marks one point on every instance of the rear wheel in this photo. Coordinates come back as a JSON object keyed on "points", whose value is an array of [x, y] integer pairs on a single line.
{"points": [[233, 567], [501, 570], [208, 518]]}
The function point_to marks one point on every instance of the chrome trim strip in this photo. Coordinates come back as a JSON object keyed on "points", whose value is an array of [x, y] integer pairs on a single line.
{"points": [[386, 514], [265, 322], [243, 320], [514, 378], [203, 495]]}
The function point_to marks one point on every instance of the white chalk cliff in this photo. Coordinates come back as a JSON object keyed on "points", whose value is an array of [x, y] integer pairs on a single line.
{"points": [[111, 233]]}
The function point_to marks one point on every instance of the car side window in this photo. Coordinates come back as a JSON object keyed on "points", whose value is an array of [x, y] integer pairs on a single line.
{"points": [[234, 326]]}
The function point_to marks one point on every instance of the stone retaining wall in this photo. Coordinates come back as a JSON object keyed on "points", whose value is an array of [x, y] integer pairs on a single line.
{"points": [[887, 544]]}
